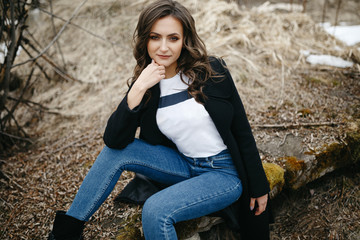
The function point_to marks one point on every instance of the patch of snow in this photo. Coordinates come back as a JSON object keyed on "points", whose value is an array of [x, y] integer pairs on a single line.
{"points": [[3, 52], [350, 35], [305, 52], [8, 22], [329, 61], [271, 7]]}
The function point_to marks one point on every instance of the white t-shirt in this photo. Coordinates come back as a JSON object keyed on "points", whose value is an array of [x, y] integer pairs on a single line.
{"points": [[186, 122]]}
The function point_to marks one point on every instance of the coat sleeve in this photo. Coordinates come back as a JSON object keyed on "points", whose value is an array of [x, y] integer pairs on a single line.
{"points": [[122, 125], [240, 127]]}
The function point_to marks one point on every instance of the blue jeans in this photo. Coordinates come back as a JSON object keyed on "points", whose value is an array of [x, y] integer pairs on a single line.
{"points": [[199, 186]]}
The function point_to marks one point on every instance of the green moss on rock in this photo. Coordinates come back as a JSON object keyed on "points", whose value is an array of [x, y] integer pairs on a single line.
{"points": [[275, 176]]}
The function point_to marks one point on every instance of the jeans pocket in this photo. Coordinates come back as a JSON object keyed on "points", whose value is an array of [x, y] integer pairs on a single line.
{"points": [[225, 163]]}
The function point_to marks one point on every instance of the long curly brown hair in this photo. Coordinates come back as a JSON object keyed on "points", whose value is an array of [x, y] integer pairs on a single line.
{"points": [[193, 61]]}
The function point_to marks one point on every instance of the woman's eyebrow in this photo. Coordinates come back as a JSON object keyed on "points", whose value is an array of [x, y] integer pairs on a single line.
{"points": [[171, 34]]}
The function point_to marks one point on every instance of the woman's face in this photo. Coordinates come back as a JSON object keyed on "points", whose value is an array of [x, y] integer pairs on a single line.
{"points": [[165, 43]]}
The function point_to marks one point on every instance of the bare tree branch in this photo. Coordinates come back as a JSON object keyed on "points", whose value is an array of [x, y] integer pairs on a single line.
{"points": [[76, 11], [4, 9], [9, 57], [324, 11], [57, 42], [7, 117], [57, 69], [81, 28], [337, 12], [16, 137], [16, 122], [36, 63], [295, 125], [29, 103]]}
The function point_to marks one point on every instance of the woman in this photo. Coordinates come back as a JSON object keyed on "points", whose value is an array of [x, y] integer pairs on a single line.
{"points": [[194, 137]]}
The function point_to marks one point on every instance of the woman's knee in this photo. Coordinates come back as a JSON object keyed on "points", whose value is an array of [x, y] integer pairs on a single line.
{"points": [[111, 156], [154, 212], [149, 210]]}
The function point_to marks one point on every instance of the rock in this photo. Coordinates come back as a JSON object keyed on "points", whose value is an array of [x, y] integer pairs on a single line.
{"points": [[219, 232], [337, 155], [194, 237], [302, 165], [291, 145], [189, 230]]}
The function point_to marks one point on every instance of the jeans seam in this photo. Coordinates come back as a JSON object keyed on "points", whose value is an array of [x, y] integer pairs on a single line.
{"points": [[211, 162], [102, 194], [157, 169], [194, 203], [215, 158]]}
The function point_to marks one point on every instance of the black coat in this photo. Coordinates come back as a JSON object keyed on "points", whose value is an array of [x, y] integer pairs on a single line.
{"points": [[228, 114]]}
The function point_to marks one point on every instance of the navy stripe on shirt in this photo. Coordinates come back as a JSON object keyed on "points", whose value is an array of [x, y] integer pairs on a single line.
{"points": [[173, 99]]}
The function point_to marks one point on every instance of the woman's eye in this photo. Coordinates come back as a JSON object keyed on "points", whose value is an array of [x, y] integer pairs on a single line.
{"points": [[154, 37], [174, 38]]}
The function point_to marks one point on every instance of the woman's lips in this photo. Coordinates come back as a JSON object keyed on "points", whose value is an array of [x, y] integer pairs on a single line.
{"points": [[164, 56]]}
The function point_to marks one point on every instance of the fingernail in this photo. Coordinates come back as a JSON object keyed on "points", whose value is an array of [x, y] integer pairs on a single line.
{"points": [[251, 208]]}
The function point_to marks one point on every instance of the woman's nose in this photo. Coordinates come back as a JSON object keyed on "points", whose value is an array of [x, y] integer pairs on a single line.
{"points": [[164, 46]]}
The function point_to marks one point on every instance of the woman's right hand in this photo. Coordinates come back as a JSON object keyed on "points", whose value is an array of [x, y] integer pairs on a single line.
{"points": [[150, 76]]}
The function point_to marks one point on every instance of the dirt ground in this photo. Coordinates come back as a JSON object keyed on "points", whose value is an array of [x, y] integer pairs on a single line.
{"points": [[328, 208]]}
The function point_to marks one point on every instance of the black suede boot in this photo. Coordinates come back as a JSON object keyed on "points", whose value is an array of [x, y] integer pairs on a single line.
{"points": [[66, 228]]}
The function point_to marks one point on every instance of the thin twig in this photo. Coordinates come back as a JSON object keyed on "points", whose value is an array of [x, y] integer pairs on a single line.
{"points": [[36, 63], [71, 144], [281, 100], [56, 37], [16, 123], [57, 69], [9, 57], [13, 181], [16, 137], [4, 10], [33, 38], [337, 12], [342, 187], [294, 125], [81, 28], [62, 74], [57, 42], [4, 119], [304, 6], [324, 11], [28, 102]]}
